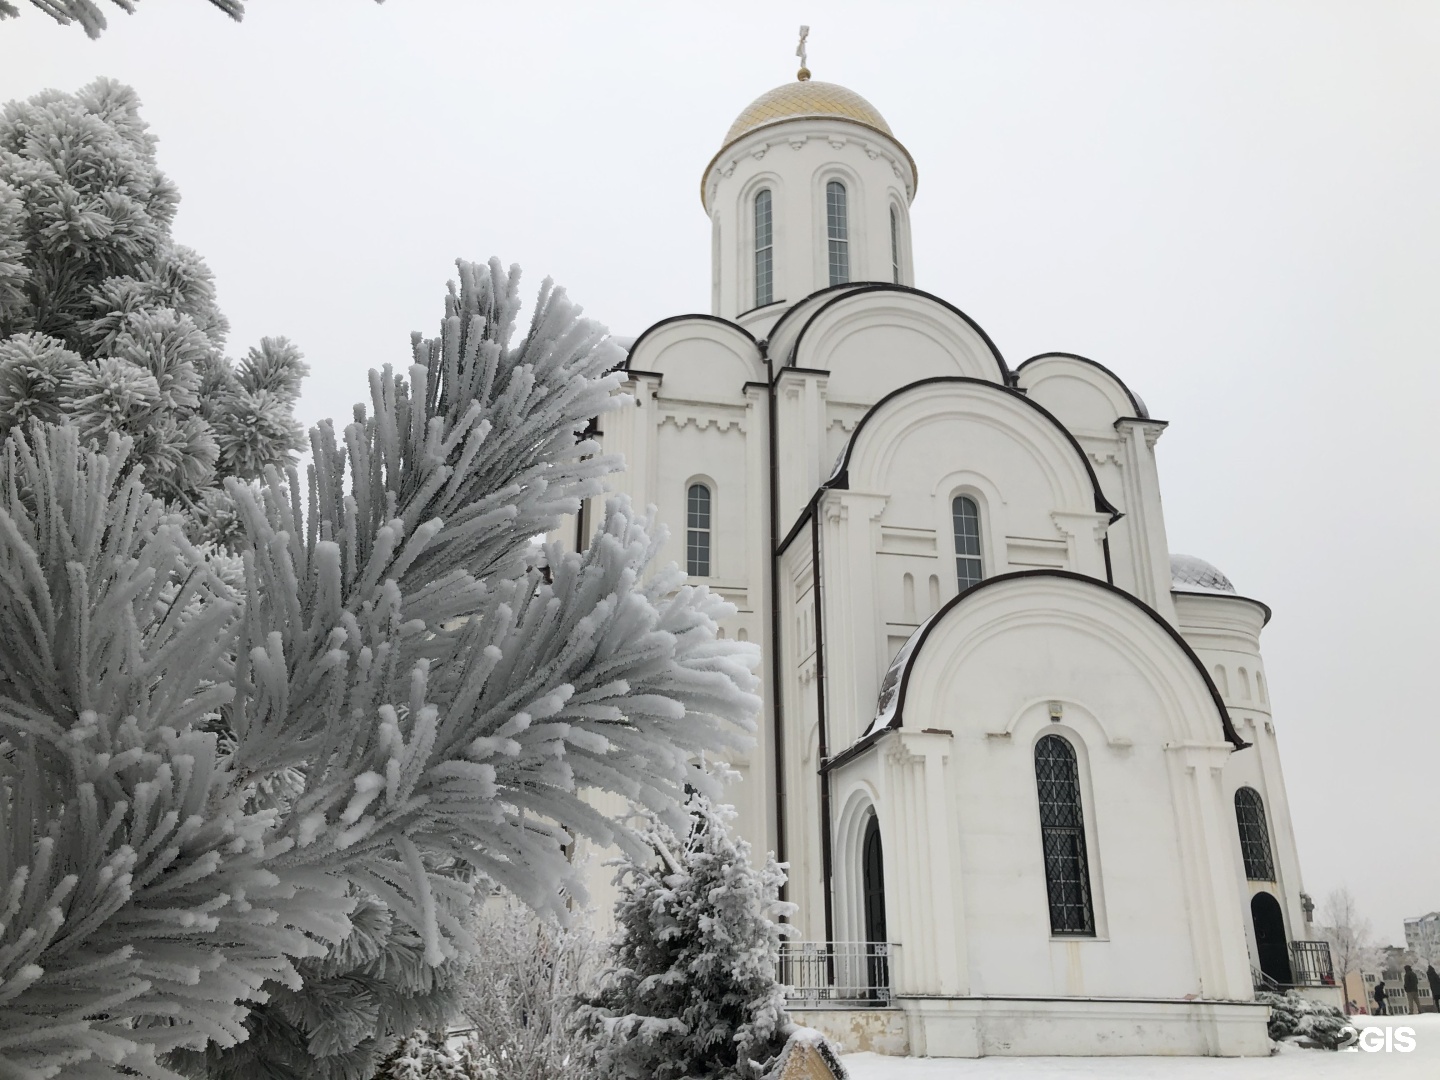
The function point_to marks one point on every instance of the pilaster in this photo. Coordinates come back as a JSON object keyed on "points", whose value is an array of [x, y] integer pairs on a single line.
{"points": [[1150, 548]]}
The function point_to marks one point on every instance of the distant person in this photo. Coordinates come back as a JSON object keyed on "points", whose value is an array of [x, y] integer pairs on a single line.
{"points": [[1380, 998], [1433, 978], [1411, 983]]}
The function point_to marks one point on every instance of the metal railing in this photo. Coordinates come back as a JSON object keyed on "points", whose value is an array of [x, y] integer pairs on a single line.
{"points": [[1310, 964], [1261, 981], [854, 973]]}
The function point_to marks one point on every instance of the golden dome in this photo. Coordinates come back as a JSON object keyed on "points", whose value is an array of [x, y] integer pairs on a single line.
{"points": [[807, 98], [801, 100]]}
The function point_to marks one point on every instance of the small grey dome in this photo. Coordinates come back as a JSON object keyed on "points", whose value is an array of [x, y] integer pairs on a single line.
{"points": [[1189, 574]]}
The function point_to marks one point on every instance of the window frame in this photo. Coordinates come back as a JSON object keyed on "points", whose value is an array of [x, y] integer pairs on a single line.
{"points": [[895, 243], [693, 532], [837, 247], [1257, 853], [767, 249], [978, 556], [1056, 835]]}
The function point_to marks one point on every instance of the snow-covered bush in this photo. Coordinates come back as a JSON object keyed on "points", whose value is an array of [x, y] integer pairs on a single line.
{"points": [[690, 990], [204, 787], [1309, 1023], [519, 991], [422, 1058], [107, 322]]}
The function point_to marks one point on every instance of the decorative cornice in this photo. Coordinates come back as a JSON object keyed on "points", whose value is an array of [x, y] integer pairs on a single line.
{"points": [[838, 130]]}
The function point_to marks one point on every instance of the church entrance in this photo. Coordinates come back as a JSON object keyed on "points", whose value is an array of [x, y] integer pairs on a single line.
{"points": [[872, 870], [1270, 937]]}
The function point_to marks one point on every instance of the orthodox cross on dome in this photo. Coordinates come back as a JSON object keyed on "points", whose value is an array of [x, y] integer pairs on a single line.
{"points": [[804, 72]]}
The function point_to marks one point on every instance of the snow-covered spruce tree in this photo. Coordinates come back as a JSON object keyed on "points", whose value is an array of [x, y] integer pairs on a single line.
{"points": [[690, 991], [421, 1057], [201, 785], [107, 322]]}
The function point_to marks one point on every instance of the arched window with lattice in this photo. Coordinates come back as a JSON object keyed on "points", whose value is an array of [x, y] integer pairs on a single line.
{"points": [[1254, 835], [1062, 837]]}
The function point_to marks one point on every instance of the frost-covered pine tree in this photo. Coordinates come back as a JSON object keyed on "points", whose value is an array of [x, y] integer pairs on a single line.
{"points": [[91, 18], [107, 322], [691, 993], [212, 775]]}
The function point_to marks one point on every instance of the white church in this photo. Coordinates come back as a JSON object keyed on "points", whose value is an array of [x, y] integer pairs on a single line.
{"points": [[1019, 755]]}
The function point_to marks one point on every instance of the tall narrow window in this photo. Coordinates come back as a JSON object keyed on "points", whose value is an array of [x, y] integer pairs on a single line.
{"points": [[837, 229], [966, 515], [1062, 837], [895, 244], [764, 251], [697, 531], [1254, 836]]}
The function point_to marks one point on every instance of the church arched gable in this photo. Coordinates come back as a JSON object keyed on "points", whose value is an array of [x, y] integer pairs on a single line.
{"points": [[879, 336], [703, 358], [1006, 633], [943, 407], [1086, 395]]}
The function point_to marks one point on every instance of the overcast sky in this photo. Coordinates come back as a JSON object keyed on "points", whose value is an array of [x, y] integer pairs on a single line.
{"points": [[1234, 206]]}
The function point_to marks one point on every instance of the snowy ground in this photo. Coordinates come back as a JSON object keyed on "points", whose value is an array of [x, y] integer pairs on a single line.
{"points": [[1423, 1063]]}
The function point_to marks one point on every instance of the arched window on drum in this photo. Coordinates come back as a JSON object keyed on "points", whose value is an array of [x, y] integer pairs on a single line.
{"points": [[764, 249], [837, 232]]}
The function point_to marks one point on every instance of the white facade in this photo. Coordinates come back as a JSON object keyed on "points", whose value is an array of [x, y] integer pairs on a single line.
{"points": [[1422, 937], [834, 429]]}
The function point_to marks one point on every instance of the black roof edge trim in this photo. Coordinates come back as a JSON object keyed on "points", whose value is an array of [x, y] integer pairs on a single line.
{"points": [[760, 307], [854, 750], [841, 479], [1140, 420], [1140, 411], [1231, 735], [858, 287], [780, 372], [745, 388], [848, 286], [1228, 596], [641, 371], [806, 514], [680, 318]]}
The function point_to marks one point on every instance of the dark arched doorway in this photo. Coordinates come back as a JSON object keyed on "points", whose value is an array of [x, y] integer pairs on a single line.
{"points": [[872, 877], [1270, 937]]}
